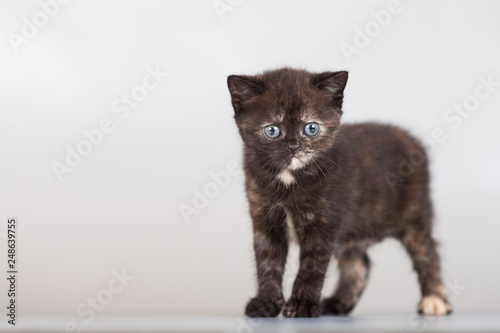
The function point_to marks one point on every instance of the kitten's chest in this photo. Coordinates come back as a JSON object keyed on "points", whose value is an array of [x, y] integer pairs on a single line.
{"points": [[304, 203], [303, 212], [291, 227], [297, 220], [299, 196]]}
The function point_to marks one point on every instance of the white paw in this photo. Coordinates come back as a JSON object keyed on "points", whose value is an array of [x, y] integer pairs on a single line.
{"points": [[434, 306]]}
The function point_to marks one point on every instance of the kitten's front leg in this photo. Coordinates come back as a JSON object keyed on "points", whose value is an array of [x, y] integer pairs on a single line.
{"points": [[271, 249], [315, 254]]}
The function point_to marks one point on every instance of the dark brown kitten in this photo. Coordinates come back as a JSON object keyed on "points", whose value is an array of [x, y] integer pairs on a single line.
{"points": [[334, 189]]}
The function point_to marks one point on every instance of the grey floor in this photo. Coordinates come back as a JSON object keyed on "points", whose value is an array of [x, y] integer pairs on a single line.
{"points": [[454, 323]]}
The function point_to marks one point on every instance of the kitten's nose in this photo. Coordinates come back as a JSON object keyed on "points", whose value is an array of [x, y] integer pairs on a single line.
{"points": [[293, 148]]}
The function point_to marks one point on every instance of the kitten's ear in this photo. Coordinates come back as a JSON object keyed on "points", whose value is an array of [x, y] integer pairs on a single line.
{"points": [[242, 88], [332, 83]]}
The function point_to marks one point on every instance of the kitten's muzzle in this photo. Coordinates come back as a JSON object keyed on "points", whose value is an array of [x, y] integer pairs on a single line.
{"points": [[293, 149]]}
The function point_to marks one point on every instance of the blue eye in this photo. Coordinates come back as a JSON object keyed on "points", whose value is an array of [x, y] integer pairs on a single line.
{"points": [[272, 131], [311, 129]]}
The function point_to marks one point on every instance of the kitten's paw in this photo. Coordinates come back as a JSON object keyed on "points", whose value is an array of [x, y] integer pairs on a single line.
{"points": [[299, 308], [434, 306], [335, 306], [258, 307]]}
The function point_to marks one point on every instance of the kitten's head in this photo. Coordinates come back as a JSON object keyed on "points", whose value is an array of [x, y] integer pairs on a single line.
{"points": [[286, 117]]}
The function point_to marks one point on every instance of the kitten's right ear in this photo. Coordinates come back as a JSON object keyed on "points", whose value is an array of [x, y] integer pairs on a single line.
{"points": [[332, 83], [242, 88]]}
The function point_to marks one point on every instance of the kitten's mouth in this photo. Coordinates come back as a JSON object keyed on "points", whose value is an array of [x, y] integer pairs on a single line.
{"points": [[298, 161]]}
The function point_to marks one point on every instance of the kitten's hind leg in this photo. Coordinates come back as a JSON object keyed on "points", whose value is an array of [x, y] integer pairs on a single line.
{"points": [[422, 249], [354, 267]]}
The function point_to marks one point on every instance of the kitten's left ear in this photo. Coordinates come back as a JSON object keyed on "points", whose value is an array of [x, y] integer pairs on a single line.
{"points": [[332, 83], [242, 88]]}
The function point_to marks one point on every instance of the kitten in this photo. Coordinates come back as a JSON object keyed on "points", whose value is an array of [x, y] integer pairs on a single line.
{"points": [[334, 189]]}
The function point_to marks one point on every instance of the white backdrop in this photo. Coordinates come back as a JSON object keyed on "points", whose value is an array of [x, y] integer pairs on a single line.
{"points": [[69, 69]]}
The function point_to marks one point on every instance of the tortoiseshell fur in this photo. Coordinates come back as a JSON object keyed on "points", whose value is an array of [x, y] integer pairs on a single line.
{"points": [[349, 187]]}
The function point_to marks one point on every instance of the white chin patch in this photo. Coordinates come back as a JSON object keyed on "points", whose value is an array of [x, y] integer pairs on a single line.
{"points": [[295, 164], [299, 162]]}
